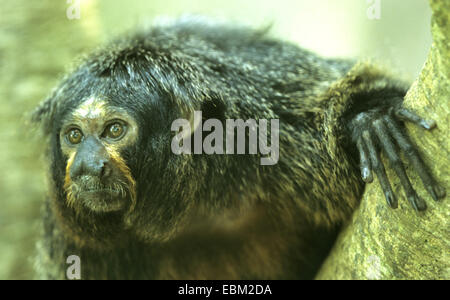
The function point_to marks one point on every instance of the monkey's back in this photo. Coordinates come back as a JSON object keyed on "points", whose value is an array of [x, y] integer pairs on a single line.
{"points": [[237, 63]]}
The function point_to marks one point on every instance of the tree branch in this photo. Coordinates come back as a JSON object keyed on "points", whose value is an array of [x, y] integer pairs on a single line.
{"points": [[382, 243]]}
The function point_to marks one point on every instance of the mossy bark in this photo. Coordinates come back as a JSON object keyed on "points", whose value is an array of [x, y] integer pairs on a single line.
{"points": [[382, 243]]}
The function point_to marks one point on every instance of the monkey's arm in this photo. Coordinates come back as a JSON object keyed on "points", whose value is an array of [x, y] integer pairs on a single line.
{"points": [[369, 107]]}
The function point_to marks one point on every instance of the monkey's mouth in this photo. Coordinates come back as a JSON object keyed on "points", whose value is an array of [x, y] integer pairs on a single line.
{"points": [[96, 196], [99, 196], [102, 200]]}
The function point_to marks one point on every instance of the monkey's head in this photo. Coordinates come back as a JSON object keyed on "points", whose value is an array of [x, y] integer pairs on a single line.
{"points": [[112, 171], [97, 176]]}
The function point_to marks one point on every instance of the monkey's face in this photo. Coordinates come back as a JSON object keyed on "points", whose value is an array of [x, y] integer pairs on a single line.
{"points": [[92, 137]]}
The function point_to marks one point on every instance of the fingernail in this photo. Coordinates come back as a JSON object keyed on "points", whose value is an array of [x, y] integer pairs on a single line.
{"points": [[367, 175], [391, 200], [417, 203], [440, 191], [428, 124], [432, 193]]}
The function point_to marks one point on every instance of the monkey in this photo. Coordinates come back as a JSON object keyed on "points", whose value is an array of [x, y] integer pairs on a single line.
{"points": [[130, 208]]}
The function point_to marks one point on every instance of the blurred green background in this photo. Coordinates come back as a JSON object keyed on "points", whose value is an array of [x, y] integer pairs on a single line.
{"points": [[38, 42]]}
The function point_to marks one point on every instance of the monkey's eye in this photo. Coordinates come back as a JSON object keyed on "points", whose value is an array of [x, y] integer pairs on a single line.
{"points": [[74, 136], [114, 131]]}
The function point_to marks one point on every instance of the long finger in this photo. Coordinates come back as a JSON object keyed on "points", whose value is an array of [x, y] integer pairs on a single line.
{"points": [[396, 163], [403, 142], [379, 170], [407, 115], [366, 171]]}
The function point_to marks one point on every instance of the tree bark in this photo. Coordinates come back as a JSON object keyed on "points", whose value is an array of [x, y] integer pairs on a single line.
{"points": [[382, 243]]}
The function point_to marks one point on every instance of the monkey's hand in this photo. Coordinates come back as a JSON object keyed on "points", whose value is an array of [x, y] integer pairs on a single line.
{"points": [[381, 129]]}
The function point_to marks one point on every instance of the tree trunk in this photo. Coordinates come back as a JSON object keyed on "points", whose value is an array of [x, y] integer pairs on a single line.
{"points": [[382, 243]]}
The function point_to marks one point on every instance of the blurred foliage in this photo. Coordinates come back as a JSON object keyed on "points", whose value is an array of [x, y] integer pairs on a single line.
{"points": [[38, 42]]}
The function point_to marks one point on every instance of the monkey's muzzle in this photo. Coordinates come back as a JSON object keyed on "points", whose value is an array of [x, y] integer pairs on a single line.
{"points": [[97, 196]]}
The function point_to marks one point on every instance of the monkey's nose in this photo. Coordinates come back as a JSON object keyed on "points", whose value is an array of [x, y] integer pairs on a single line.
{"points": [[98, 168], [91, 159], [95, 167]]}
